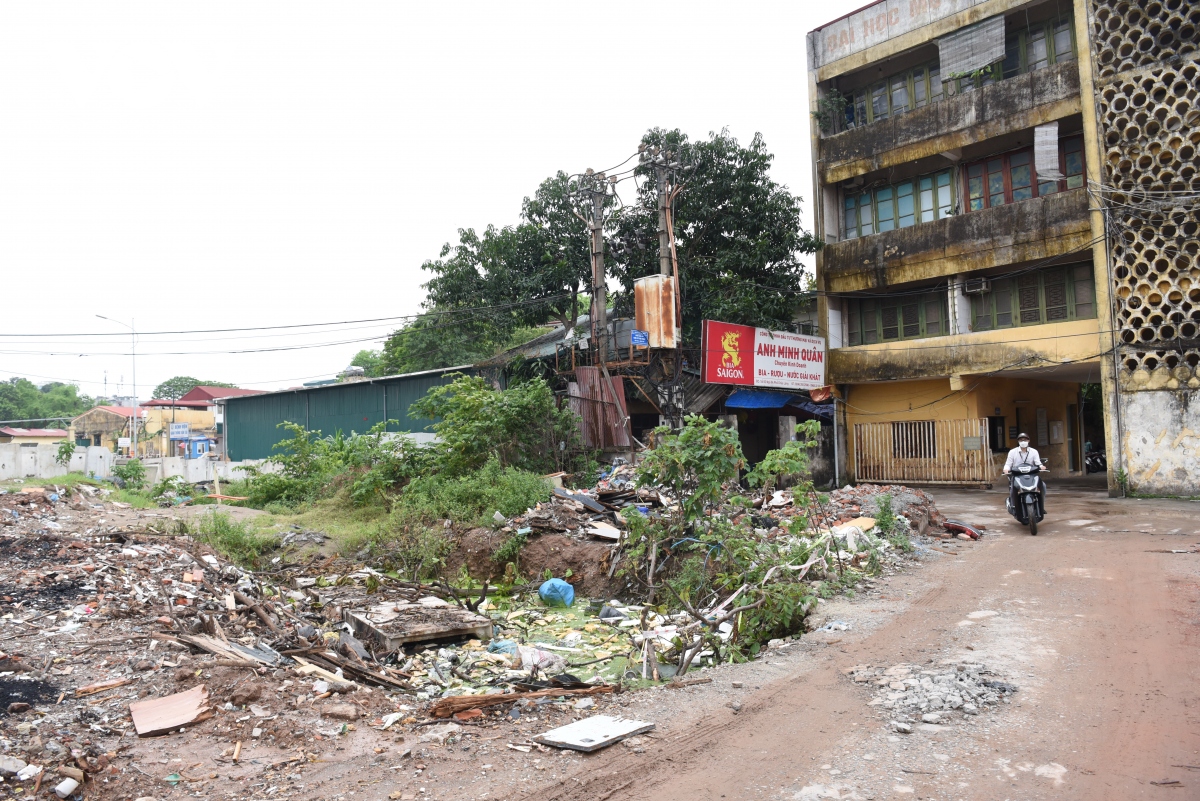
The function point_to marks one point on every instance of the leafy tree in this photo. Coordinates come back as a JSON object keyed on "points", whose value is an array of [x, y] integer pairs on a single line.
{"points": [[21, 399], [371, 361], [544, 258], [175, 388], [434, 341], [738, 234]]}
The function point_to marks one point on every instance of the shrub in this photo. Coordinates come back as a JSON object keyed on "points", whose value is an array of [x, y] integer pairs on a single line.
{"points": [[132, 473], [520, 427], [66, 449], [473, 496]]}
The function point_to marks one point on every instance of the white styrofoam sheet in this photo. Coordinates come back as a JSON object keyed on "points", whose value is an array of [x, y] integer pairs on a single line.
{"points": [[591, 734]]}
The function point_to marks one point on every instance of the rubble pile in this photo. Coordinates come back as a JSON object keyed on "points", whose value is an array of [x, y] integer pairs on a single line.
{"points": [[963, 687], [595, 512], [913, 505]]}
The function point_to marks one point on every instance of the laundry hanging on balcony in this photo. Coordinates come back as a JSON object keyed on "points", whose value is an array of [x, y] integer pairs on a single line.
{"points": [[1045, 152]]}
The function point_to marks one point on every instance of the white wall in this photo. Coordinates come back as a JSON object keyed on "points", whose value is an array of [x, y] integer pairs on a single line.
{"points": [[38, 461], [1161, 446], [97, 461]]}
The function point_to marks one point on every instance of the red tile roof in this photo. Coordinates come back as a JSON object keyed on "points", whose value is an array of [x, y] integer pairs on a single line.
{"points": [[209, 393], [33, 432], [182, 404], [123, 411]]}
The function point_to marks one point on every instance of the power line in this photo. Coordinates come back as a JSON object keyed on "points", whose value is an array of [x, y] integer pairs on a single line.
{"points": [[433, 313]]}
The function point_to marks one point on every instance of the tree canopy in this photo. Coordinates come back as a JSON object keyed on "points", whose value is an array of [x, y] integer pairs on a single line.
{"points": [[738, 239], [738, 234], [21, 399], [175, 388], [371, 361]]}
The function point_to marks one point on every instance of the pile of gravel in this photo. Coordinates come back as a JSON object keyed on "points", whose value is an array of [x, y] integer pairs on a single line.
{"points": [[965, 687]]}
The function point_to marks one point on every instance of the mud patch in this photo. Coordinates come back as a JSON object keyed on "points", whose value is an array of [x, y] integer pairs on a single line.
{"points": [[587, 561]]}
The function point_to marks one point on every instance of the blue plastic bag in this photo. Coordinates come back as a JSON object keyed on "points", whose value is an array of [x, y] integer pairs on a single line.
{"points": [[557, 592], [502, 647]]}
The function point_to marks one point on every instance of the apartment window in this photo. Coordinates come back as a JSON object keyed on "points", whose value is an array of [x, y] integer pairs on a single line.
{"points": [[897, 94], [874, 320], [1056, 294], [1039, 45], [914, 440], [1012, 177], [922, 199]]}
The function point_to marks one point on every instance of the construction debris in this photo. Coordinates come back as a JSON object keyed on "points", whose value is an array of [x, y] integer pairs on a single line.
{"points": [[966, 688], [594, 733], [161, 715]]}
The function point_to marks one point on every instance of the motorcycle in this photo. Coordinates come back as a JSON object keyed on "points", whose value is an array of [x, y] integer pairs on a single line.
{"points": [[1031, 501], [1095, 462]]}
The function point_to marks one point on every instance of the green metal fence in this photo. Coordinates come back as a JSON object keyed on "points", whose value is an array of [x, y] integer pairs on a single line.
{"points": [[252, 421]]}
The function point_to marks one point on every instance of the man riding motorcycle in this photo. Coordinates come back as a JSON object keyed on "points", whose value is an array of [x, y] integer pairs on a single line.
{"points": [[1024, 455]]}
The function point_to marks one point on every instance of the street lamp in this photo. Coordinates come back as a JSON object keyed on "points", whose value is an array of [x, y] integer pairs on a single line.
{"points": [[133, 353]]}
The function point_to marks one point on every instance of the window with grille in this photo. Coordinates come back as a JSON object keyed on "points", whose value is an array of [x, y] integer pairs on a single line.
{"points": [[914, 440], [1052, 295]]}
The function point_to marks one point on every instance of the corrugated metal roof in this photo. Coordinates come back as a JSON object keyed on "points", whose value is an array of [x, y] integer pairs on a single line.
{"points": [[33, 432]]}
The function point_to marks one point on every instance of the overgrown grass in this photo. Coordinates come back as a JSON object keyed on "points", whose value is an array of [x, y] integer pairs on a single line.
{"points": [[138, 499], [68, 481], [473, 497], [890, 526], [236, 540]]}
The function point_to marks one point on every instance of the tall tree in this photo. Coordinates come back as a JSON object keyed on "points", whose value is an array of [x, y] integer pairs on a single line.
{"points": [[738, 234], [526, 274], [175, 388]]}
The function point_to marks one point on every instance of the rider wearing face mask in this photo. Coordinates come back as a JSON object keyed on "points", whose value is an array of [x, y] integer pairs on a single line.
{"points": [[1022, 454]]}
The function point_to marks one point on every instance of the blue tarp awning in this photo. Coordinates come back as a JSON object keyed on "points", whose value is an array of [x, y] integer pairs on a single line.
{"points": [[763, 399], [760, 399]]}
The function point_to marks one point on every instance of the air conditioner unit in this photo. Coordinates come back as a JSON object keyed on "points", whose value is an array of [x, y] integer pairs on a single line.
{"points": [[977, 286]]}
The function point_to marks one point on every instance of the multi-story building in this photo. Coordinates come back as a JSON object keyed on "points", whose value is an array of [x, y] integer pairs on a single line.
{"points": [[1008, 194]]}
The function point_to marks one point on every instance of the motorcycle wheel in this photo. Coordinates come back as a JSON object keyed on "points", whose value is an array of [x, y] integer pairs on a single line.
{"points": [[1031, 512]]}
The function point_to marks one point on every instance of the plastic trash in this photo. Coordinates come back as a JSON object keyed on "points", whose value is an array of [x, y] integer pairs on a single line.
{"points": [[556, 592], [499, 518], [545, 661], [53, 498], [835, 625], [608, 613], [503, 647], [66, 787]]}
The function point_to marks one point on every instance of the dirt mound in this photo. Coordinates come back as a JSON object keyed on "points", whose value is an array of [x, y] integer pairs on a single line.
{"points": [[586, 561]]}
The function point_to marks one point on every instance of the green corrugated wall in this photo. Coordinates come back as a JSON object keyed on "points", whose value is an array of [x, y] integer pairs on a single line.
{"points": [[252, 421]]}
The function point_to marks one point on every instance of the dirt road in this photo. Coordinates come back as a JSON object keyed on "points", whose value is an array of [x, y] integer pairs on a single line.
{"points": [[1095, 621]]}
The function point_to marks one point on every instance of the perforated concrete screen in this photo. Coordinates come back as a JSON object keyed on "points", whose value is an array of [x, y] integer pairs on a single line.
{"points": [[1150, 134]]}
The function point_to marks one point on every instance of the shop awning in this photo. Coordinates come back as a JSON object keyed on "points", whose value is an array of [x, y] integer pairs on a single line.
{"points": [[760, 399], [822, 411]]}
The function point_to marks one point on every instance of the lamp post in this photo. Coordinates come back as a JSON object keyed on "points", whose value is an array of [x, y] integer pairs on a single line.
{"points": [[133, 353]]}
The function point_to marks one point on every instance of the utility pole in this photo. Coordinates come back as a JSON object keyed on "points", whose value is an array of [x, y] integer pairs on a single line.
{"points": [[136, 406], [596, 186], [666, 178], [664, 240]]}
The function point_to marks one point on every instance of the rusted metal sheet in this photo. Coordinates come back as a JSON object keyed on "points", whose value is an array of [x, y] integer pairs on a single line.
{"points": [[654, 309], [923, 452], [602, 416]]}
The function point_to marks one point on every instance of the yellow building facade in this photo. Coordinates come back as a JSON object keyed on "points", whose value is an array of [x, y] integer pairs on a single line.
{"points": [[1003, 191]]}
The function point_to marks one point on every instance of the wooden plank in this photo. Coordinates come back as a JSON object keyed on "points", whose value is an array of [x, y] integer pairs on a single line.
{"points": [[599, 528], [394, 624], [594, 733], [457, 703], [161, 715]]}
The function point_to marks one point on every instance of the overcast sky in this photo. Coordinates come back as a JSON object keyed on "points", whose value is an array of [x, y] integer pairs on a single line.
{"points": [[231, 165]]}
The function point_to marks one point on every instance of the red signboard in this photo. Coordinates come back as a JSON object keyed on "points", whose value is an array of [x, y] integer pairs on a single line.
{"points": [[758, 357]]}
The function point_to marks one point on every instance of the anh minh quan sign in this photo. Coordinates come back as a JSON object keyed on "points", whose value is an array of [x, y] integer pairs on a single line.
{"points": [[758, 357]]}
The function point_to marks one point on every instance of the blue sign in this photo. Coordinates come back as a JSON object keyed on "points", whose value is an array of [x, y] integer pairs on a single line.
{"points": [[181, 430], [639, 339]]}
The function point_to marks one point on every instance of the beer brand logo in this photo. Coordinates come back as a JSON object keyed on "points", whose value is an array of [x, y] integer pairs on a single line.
{"points": [[729, 343]]}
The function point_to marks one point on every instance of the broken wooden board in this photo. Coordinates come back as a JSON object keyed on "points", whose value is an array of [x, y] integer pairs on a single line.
{"points": [[231, 650], [161, 715], [594, 733], [395, 623], [598, 528]]}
